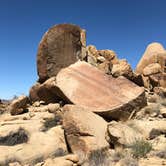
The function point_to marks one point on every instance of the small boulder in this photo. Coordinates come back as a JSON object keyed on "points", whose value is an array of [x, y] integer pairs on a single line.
{"points": [[122, 134], [122, 69], [152, 69], [107, 54], [18, 105]]}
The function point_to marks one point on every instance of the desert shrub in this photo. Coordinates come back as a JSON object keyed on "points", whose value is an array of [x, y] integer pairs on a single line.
{"points": [[98, 158], [140, 148], [14, 138]]}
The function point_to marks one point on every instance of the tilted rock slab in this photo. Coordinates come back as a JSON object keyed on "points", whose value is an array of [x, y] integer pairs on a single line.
{"points": [[60, 46], [88, 87], [84, 130]]}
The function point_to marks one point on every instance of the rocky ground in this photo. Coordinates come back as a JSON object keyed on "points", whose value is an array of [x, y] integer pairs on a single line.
{"points": [[88, 108]]}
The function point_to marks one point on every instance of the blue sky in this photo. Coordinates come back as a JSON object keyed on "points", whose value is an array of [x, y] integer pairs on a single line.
{"points": [[125, 26]]}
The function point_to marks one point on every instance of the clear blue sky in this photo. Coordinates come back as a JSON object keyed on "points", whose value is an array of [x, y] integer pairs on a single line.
{"points": [[126, 26]]}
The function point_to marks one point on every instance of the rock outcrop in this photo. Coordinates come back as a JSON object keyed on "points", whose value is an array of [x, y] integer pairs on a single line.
{"points": [[152, 66], [80, 83], [60, 46], [87, 108]]}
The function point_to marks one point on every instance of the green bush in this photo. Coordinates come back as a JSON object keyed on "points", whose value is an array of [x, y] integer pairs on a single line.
{"points": [[140, 148]]}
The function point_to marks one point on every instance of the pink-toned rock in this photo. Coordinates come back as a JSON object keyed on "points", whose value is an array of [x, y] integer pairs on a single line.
{"points": [[86, 86], [60, 46]]}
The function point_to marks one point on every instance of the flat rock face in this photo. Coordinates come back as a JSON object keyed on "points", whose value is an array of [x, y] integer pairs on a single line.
{"points": [[60, 46], [85, 131], [88, 87]]}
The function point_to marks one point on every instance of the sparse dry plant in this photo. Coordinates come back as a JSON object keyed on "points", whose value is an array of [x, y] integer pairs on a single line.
{"points": [[140, 148]]}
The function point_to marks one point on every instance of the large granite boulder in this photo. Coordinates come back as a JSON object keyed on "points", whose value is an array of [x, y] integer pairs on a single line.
{"points": [[60, 46], [85, 131], [152, 66], [86, 86], [154, 53]]}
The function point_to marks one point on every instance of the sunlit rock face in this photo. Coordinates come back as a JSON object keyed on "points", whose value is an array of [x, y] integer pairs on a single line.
{"points": [[60, 46]]}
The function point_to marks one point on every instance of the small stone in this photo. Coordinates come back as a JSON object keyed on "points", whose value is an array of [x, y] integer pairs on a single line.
{"points": [[18, 105], [163, 112], [100, 59], [52, 108]]}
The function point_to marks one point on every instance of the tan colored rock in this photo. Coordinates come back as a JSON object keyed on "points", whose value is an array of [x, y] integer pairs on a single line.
{"points": [[52, 108], [159, 79], [85, 131], [154, 53], [60, 46], [163, 112], [33, 92], [18, 105], [105, 67], [152, 68], [122, 68], [101, 59], [14, 164], [154, 129], [107, 54], [152, 161], [67, 160], [86, 86], [121, 134], [91, 51], [159, 143], [26, 141]]}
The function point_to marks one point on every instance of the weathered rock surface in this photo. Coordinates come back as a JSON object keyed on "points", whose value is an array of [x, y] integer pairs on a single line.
{"points": [[152, 161], [68, 160], [149, 129], [152, 68], [80, 83], [121, 134], [29, 139], [18, 105], [85, 131], [60, 46], [86, 86], [122, 68], [154, 53]]}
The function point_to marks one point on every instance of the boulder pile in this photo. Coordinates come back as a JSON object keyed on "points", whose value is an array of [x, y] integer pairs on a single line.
{"points": [[88, 108]]}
